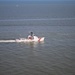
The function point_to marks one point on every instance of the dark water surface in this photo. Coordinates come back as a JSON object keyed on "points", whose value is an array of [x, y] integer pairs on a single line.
{"points": [[54, 56]]}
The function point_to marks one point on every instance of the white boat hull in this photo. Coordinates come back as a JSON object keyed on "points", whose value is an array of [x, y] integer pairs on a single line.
{"points": [[30, 40]]}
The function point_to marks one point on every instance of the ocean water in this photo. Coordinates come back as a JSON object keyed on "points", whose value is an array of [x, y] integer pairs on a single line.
{"points": [[54, 56]]}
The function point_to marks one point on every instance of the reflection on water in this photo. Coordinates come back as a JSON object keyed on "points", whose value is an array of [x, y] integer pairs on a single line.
{"points": [[33, 44], [32, 47]]}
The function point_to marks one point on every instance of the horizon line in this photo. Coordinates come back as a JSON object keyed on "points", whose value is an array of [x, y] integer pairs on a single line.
{"points": [[37, 19]]}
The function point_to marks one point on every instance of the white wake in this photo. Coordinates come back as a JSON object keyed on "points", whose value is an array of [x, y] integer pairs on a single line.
{"points": [[1, 41], [23, 40]]}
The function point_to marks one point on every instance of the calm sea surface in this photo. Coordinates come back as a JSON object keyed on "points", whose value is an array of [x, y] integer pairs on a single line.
{"points": [[54, 56]]}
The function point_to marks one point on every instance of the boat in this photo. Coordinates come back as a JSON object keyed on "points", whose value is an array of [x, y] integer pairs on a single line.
{"points": [[30, 40]]}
